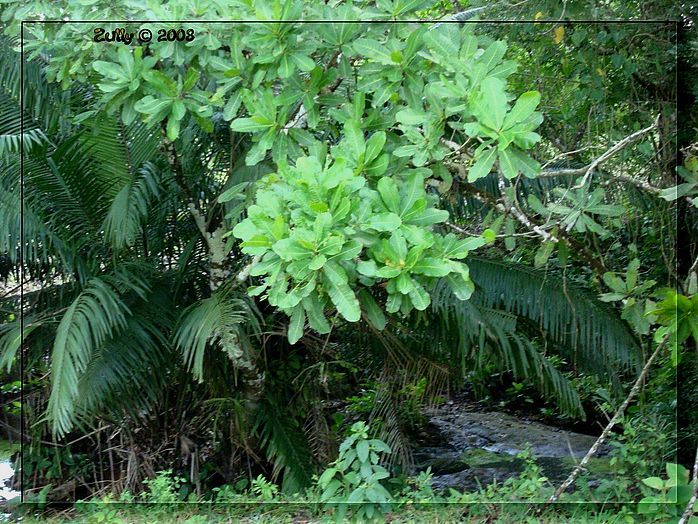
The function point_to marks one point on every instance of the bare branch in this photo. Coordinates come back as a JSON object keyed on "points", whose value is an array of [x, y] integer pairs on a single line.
{"points": [[607, 430]]}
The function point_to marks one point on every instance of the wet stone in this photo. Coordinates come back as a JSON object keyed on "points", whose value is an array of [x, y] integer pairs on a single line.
{"points": [[466, 449]]}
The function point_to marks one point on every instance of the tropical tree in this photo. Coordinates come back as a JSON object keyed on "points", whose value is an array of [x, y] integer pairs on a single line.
{"points": [[222, 215]]}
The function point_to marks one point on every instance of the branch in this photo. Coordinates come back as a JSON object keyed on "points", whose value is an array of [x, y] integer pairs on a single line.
{"points": [[587, 170], [531, 223], [300, 116], [606, 432], [217, 249], [173, 161], [639, 183]]}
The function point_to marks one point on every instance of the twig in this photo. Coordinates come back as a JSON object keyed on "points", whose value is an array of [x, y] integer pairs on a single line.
{"points": [[606, 432], [300, 116]]}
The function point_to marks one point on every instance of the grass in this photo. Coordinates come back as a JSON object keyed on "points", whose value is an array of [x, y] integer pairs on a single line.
{"points": [[297, 514]]}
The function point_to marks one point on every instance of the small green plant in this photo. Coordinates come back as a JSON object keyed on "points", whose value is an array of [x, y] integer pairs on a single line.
{"points": [[411, 396], [419, 488], [264, 489], [354, 478], [669, 497], [163, 488]]}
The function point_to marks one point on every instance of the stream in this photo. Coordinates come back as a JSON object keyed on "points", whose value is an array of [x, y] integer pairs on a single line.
{"points": [[466, 448], [6, 493]]}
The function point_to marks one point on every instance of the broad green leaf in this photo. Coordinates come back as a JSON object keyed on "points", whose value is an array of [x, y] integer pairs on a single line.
{"points": [[236, 191], [389, 193], [296, 325], [362, 450], [354, 136], [431, 267], [493, 54], [495, 102], [508, 164], [631, 279], [373, 50], [289, 249], [443, 42], [374, 146], [654, 482], [523, 108], [414, 189], [543, 254], [178, 110], [286, 66], [110, 70], [388, 272], [429, 217], [344, 300], [316, 316], [335, 273], [384, 222], [373, 311], [232, 106], [483, 165], [317, 262], [367, 268], [304, 62], [349, 250], [463, 288], [404, 283], [322, 225], [248, 125], [420, 298], [172, 129], [614, 282], [152, 106]]}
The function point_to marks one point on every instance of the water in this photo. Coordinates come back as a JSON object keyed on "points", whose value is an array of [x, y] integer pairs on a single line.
{"points": [[6, 493]]}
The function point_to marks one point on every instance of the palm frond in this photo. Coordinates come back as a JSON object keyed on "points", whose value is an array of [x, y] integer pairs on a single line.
{"points": [[91, 319], [391, 430], [128, 371], [130, 207], [588, 331], [285, 445], [46, 106], [11, 337], [320, 438], [214, 320], [461, 332], [12, 136]]}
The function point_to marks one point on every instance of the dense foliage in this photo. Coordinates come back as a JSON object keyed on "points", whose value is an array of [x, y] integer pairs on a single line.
{"points": [[239, 247]]}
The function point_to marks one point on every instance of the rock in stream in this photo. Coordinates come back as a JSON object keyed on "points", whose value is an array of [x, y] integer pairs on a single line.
{"points": [[465, 448]]}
